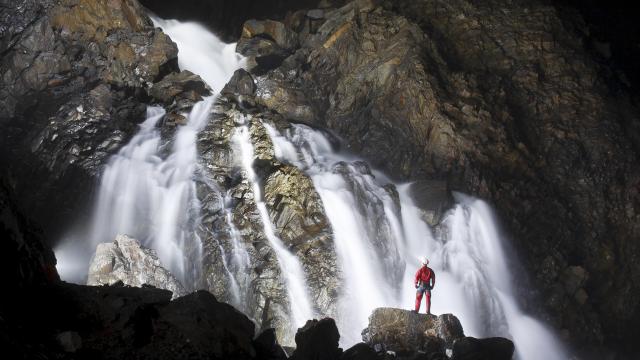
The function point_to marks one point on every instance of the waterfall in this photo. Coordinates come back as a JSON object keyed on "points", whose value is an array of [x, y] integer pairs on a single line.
{"points": [[473, 279], [148, 188], [201, 52], [290, 267]]}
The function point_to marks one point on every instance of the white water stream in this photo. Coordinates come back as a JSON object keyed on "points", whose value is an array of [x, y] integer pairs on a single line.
{"points": [[473, 279], [148, 191], [290, 266]]}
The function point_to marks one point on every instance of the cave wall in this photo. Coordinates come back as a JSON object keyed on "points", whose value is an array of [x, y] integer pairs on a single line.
{"points": [[501, 98], [224, 17], [504, 100], [75, 80]]}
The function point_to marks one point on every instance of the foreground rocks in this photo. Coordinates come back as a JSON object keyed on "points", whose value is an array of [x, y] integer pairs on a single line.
{"points": [[115, 322], [405, 332], [125, 260], [399, 334]]}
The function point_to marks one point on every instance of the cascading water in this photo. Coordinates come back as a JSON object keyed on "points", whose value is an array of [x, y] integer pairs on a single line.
{"points": [[201, 52], [290, 266], [148, 191], [474, 280]]}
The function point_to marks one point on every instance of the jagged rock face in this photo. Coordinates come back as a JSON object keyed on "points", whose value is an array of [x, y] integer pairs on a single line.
{"points": [[74, 75], [505, 105], [294, 208], [225, 17], [405, 332], [126, 260]]}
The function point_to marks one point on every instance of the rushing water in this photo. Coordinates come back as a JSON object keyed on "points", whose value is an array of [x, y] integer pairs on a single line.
{"points": [[148, 191], [290, 266], [374, 237]]}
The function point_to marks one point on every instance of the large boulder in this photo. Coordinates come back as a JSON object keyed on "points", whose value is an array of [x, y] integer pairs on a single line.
{"points": [[317, 340], [406, 332], [115, 322], [127, 261]]}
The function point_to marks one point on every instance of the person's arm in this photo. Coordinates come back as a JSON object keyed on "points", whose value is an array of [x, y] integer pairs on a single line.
{"points": [[433, 279], [415, 278]]}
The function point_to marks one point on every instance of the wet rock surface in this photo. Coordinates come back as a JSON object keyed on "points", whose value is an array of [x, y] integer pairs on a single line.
{"points": [[125, 260], [75, 75], [405, 332], [235, 228], [500, 100]]}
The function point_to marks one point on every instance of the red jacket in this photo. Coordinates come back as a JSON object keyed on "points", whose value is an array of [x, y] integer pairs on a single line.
{"points": [[425, 275]]}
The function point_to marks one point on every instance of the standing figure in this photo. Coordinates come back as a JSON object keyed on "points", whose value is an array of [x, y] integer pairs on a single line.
{"points": [[425, 280]]}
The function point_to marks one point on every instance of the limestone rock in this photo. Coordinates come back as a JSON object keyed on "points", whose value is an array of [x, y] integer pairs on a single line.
{"points": [[126, 260]]}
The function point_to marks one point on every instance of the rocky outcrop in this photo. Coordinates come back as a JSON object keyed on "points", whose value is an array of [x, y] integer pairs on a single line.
{"points": [[74, 77], [113, 322], [226, 17], [127, 261], [235, 228], [317, 339], [405, 332], [524, 118]]}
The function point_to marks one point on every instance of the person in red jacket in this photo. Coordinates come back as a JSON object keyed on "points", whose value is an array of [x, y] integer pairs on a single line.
{"points": [[424, 282]]}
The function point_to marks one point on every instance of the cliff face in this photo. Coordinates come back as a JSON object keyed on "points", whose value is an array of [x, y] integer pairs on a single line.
{"points": [[501, 100], [74, 78], [497, 98]]}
